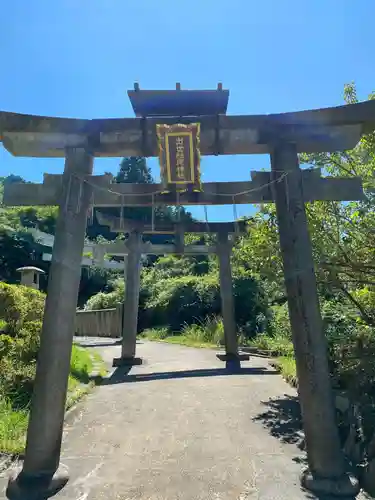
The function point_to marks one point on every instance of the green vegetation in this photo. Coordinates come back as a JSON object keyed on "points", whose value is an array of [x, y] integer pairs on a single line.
{"points": [[209, 333], [287, 367], [21, 311]]}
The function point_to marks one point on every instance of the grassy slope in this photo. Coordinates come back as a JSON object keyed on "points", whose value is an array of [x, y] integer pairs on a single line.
{"points": [[163, 335], [281, 347], [13, 424]]}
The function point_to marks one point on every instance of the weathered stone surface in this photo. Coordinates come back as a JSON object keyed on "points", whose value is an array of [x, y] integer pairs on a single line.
{"points": [[324, 453], [21, 487], [48, 402], [346, 487], [130, 361], [328, 129]]}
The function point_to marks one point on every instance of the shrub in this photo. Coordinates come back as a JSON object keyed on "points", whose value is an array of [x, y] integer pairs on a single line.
{"points": [[177, 301], [185, 300], [156, 333], [104, 300], [279, 323], [19, 305], [250, 305]]}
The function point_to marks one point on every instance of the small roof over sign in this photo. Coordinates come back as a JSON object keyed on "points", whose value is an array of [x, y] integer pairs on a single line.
{"points": [[31, 268], [153, 103]]}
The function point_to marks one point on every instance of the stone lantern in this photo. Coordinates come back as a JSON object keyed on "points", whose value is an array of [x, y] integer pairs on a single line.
{"points": [[30, 276]]}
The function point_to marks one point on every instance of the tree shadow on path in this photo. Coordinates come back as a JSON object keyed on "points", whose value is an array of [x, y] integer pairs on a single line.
{"points": [[121, 375], [282, 418]]}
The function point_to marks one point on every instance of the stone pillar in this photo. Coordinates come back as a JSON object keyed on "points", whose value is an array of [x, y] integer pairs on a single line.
{"points": [[44, 434], [224, 249], [131, 304], [326, 474]]}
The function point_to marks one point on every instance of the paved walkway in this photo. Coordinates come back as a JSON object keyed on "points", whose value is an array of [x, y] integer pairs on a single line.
{"points": [[183, 428]]}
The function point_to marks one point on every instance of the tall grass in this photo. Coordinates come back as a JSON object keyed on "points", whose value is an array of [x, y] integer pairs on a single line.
{"points": [[207, 333], [14, 420], [13, 425], [210, 331], [287, 367], [275, 345]]}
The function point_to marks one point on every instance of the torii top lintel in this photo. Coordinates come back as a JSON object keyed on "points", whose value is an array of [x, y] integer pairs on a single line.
{"points": [[176, 103], [327, 129]]}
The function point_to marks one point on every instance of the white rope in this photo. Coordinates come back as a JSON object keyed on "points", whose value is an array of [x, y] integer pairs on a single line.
{"points": [[154, 193], [287, 192], [235, 217], [68, 194], [90, 218], [122, 222], [178, 206], [81, 182], [153, 214], [206, 218]]}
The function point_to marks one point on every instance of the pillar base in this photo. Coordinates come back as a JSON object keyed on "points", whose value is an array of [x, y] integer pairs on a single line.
{"points": [[243, 356], [30, 487], [131, 361], [345, 486]]}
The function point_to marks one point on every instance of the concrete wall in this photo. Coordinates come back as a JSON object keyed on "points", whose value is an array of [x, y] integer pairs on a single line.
{"points": [[99, 323]]}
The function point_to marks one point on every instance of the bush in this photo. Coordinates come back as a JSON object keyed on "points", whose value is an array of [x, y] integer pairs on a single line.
{"points": [[19, 305], [175, 302], [156, 333], [185, 300], [21, 311], [279, 323], [250, 305]]}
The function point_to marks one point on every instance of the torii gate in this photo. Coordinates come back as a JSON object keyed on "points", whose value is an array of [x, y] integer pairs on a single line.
{"points": [[133, 248], [282, 136]]}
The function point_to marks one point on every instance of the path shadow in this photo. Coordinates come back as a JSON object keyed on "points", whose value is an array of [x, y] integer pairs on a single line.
{"points": [[115, 342], [121, 375], [87, 343]]}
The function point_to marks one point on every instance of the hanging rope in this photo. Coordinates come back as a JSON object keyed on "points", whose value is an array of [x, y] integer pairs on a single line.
{"points": [[178, 206], [235, 217], [287, 192], [153, 213], [122, 213], [90, 218], [206, 218], [68, 194], [78, 207]]}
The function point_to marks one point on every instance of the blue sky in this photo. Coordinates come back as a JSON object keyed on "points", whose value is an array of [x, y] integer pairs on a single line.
{"points": [[78, 58]]}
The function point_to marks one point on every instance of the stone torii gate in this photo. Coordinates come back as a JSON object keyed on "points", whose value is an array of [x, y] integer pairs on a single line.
{"points": [[282, 136], [133, 248]]}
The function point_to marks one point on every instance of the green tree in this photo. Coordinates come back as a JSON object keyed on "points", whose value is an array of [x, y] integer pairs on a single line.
{"points": [[134, 170]]}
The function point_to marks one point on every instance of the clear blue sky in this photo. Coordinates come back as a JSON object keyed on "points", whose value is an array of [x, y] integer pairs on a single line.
{"points": [[77, 59]]}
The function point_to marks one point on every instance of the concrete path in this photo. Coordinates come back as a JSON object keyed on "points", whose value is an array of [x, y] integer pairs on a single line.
{"points": [[181, 427]]}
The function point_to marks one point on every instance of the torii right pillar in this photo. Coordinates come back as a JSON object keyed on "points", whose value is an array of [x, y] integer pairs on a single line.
{"points": [[327, 473], [131, 303], [224, 250]]}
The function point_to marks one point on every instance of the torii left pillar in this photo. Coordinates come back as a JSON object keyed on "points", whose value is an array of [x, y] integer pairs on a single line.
{"points": [[39, 477], [131, 303]]}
